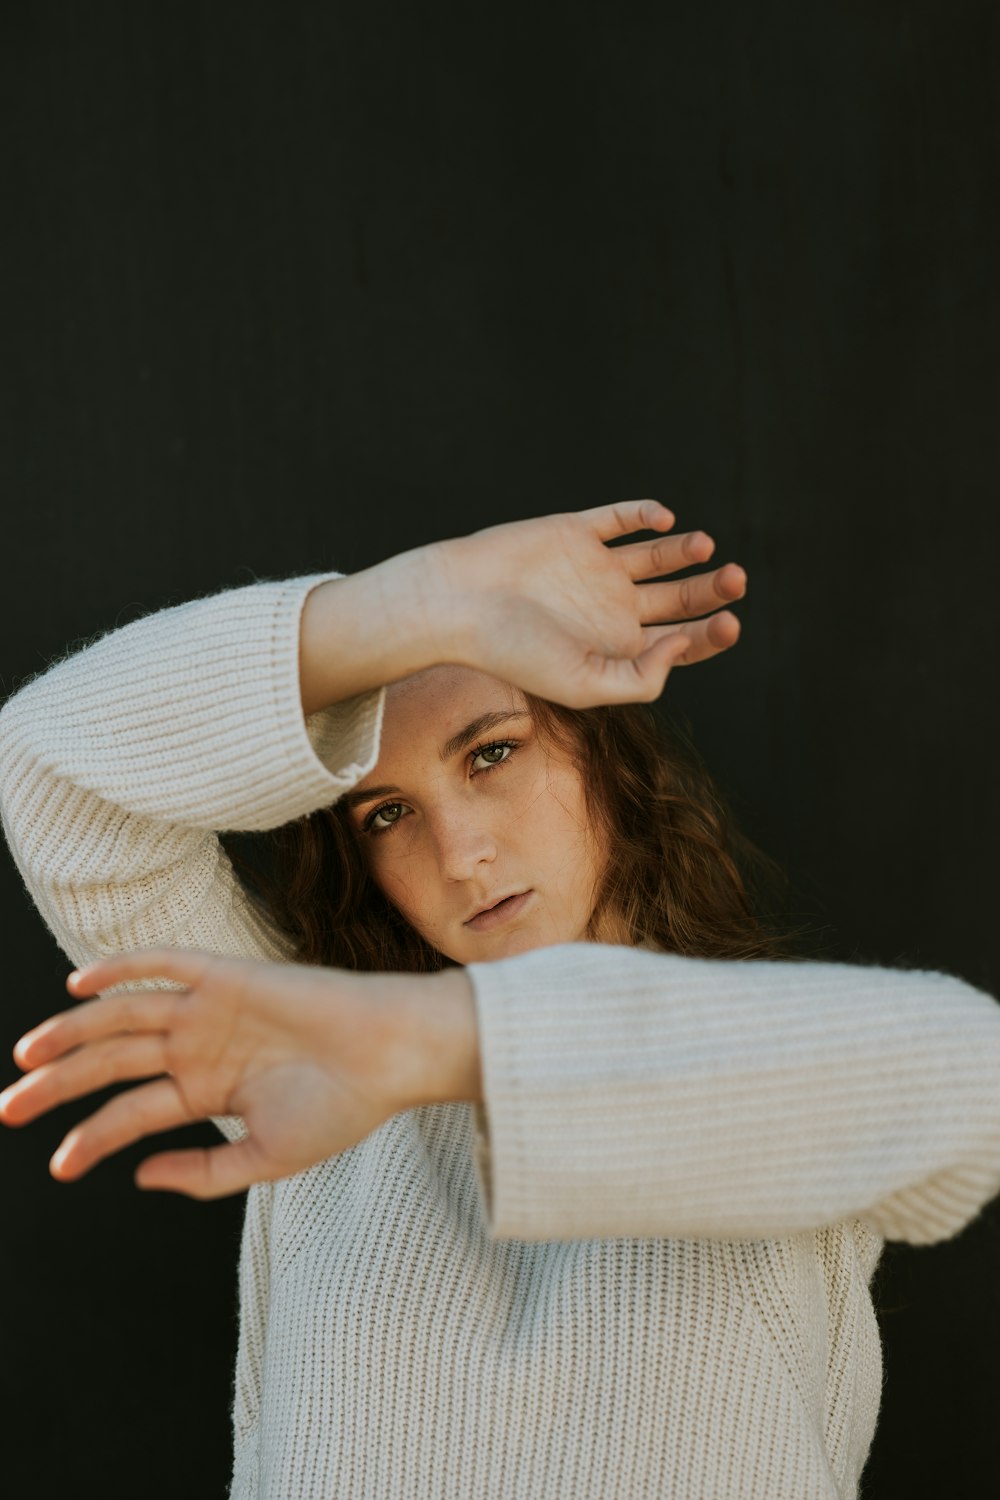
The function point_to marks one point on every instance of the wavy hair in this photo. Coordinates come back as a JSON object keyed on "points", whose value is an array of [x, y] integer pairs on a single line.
{"points": [[679, 875]]}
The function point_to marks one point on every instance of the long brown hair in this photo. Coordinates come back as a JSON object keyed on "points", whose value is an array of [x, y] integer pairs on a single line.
{"points": [[679, 875]]}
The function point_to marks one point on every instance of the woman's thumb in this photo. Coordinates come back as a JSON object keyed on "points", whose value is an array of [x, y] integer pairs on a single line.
{"points": [[641, 679]]}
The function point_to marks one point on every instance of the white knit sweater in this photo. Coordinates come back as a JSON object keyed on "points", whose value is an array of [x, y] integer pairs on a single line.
{"points": [[641, 1269]]}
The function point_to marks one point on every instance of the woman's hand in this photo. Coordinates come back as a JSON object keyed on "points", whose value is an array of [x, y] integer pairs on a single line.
{"points": [[543, 604], [313, 1059], [546, 605]]}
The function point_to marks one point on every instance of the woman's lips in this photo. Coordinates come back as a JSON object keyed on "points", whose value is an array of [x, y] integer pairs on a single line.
{"points": [[504, 911]]}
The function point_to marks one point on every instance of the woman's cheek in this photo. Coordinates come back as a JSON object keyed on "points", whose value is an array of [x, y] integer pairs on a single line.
{"points": [[402, 882]]}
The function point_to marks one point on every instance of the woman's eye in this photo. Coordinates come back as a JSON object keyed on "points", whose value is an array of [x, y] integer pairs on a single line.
{"points": [[493, 755], [389, 813], [383, 819]]}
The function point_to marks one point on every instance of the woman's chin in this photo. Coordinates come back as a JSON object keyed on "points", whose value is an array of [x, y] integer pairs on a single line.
{"points": [[507, 944]]}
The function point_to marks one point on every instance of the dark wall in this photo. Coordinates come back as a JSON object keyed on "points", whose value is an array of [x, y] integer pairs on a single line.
{"points": [[288, 288]]}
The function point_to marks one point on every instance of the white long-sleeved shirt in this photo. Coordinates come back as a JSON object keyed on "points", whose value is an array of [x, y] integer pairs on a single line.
{"points": [[641, 1268]]}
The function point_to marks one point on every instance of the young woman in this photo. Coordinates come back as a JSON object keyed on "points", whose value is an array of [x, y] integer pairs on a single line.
{"points": [[561, 1185]]}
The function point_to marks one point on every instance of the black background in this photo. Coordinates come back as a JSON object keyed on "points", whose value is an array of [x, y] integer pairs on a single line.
{"points": [[285, 288]]}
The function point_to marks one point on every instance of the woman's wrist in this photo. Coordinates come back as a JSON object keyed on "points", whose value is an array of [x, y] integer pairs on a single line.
{"points": [[371, 628], [438, 1059]]}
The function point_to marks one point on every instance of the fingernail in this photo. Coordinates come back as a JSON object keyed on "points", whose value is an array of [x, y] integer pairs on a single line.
{"points": [[60, 1156], [21, 1049]]}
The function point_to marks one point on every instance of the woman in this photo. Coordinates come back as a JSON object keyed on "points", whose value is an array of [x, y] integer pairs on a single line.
{"points": [[554, 1200]]}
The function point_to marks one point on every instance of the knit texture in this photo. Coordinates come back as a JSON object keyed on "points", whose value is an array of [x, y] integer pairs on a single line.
{"points": [[641, 1268]]}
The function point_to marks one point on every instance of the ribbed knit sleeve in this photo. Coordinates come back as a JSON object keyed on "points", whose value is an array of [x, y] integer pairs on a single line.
{"points": [[119, 764], [629, 1092]]}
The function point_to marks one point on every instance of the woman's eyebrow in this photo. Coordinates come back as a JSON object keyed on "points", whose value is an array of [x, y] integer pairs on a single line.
{"points": [[370, 794], [472, 731], [477, 727]]}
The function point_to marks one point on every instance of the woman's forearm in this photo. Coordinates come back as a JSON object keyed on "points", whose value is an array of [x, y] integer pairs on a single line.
{"points": [[544, 604], [437, 1019], [371, 628]]}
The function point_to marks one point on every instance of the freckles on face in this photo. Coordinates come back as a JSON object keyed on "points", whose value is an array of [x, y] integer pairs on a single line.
{"points": [[466, 810]]}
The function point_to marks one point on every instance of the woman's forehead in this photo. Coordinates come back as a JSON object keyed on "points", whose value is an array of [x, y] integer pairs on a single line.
{"points": [[446, 690]]}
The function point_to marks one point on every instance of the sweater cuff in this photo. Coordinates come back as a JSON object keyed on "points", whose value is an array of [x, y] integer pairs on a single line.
{"points": [[309, 762], [570, 1140], [526, 1150], [641, 1094], [193, 716]]}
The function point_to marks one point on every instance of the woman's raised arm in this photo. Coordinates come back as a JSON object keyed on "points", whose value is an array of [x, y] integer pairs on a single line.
{"points": [[252, 707], [544, 604], [120, 763]]}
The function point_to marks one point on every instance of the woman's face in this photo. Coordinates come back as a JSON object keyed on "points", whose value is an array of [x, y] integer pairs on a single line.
{"points": [[465, 809]]}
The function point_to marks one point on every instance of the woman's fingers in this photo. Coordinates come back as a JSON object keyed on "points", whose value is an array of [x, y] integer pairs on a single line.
{"points": [[126, 1118], [642, 678], [690, 597], [705, 638], [186, 965], [208, 1172], [665, 554], [114, 1060], [113, 1014], [637, 679], [143, 1010], [627, 516]]}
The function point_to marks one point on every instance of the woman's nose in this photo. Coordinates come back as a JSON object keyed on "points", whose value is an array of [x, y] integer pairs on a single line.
{"points": [[463, 844]]}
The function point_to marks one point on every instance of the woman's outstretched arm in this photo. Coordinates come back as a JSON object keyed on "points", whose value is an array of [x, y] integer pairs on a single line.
{"points": [[620, 1092], [631, 1092]]}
